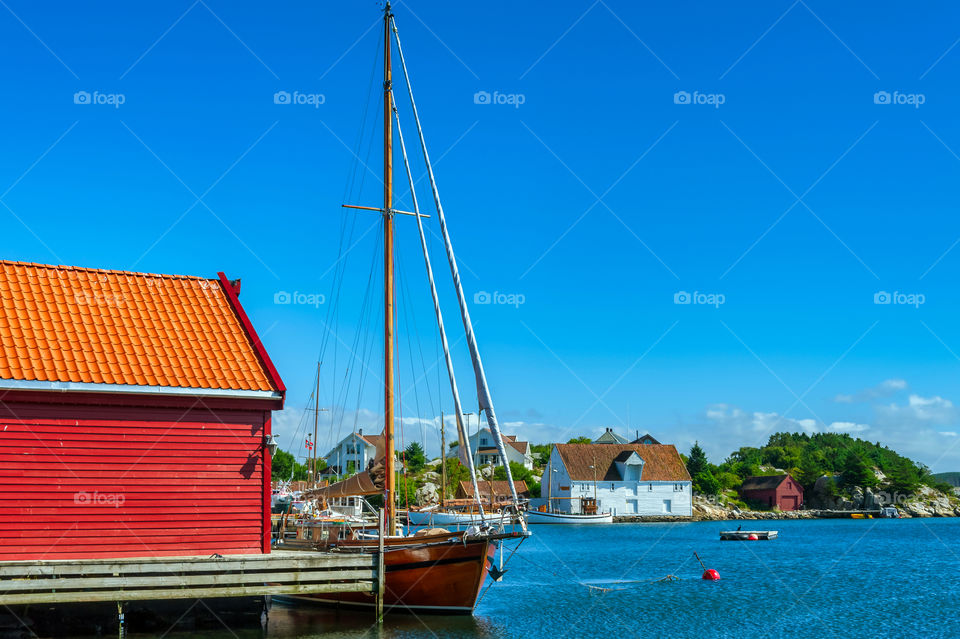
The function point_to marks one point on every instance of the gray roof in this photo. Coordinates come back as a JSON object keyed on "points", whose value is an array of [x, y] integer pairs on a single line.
{"points": [[610, 437]]}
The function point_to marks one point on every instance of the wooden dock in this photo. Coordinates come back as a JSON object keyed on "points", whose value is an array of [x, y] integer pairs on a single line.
{"points": [[744, 535], [155, 578]]}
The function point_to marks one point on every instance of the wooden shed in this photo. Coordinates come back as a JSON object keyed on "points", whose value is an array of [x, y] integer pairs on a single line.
{"points": [[134, 416], [781, 491]]}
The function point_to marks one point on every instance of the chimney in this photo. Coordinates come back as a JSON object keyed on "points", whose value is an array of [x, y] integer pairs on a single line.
{"points": [[360, 432]]}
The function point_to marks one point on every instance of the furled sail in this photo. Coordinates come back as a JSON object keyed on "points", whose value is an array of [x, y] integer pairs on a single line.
{"points": [[368, 482]]}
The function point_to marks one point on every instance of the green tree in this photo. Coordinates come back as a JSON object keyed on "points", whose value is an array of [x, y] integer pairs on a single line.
{"points": [[534, 487], [284, 467], [697, 461], [810, 469], [581, 440], [859, 472], [705, 483], [456, 473], [407, 490], [904, 478], [519, 472], [541, 454], [414, 457]]}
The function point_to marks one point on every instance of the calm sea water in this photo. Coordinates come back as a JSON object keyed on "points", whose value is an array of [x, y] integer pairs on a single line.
{"points": [[844, 578]]}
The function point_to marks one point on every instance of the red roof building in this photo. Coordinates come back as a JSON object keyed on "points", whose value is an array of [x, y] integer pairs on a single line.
{"points": [[496, 491], [134, 416], [780, 491]]}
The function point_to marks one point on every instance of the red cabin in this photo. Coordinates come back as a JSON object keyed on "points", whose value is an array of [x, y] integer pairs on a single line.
{"points": [[134, 416], [781, 491]]}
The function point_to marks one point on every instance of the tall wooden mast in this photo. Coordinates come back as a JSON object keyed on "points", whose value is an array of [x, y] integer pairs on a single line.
{"points": [[316, 421], [390, 487]]}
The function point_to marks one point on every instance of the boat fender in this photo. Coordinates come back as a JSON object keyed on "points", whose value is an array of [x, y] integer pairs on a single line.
{"points": [[752, 537], [711, 575]]}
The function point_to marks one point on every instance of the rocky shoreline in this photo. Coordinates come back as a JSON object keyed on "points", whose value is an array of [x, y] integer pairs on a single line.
{"points": [[705, 509]]}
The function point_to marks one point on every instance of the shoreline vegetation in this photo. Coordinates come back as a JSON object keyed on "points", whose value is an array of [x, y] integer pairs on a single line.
{"points": [[840, 474]]}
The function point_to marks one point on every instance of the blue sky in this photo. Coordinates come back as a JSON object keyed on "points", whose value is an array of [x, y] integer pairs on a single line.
{"points": [[791, 160]]}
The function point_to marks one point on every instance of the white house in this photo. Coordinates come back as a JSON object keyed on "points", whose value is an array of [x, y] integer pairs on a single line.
{"points": [[485, 450], [354, 452], [625, 479]]}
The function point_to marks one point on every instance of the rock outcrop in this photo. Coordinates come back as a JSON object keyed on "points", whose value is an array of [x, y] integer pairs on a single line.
{"points": [[428, 494]]}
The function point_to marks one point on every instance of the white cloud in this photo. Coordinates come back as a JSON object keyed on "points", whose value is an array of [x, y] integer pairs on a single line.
{"points": [[847, 427], [735, 420], [885, 388], [918, 410]]}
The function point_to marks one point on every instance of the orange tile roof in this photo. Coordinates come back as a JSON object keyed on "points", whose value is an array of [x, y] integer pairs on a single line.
{"points": [[70, 324]]}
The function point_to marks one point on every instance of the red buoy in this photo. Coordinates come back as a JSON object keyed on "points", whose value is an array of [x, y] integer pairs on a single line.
{"points": [[711, 575], [752, 537]]}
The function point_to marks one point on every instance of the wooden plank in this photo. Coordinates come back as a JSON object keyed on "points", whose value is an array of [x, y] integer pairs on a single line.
{"points": [[186, 580], [184, 593], [174, 565]]}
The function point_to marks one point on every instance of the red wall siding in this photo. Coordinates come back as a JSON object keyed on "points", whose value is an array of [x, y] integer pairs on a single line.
{"points": [[778, 494], [784, 490], [125, 481]]}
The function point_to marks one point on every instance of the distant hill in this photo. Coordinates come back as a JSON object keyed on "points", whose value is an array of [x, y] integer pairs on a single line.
{"points": [[949, 478], [809, 456]]}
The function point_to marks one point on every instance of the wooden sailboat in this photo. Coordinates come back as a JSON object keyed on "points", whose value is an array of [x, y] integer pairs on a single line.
{"points": [[434, 571]]}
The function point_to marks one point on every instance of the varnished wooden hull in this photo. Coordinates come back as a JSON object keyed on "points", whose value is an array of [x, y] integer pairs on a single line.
{"points": [[425, 576]]}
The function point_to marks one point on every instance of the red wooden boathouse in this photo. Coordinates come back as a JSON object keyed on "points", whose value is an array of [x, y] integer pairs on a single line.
{"points": [[134, 416], [781, 491]]}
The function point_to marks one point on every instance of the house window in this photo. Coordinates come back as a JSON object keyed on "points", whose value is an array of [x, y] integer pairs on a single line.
{"points": [[483, 441], [650, 488]]}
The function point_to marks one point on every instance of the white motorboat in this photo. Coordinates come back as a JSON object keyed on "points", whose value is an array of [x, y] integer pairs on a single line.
{"points": [[453, 518], [538, 517]]}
